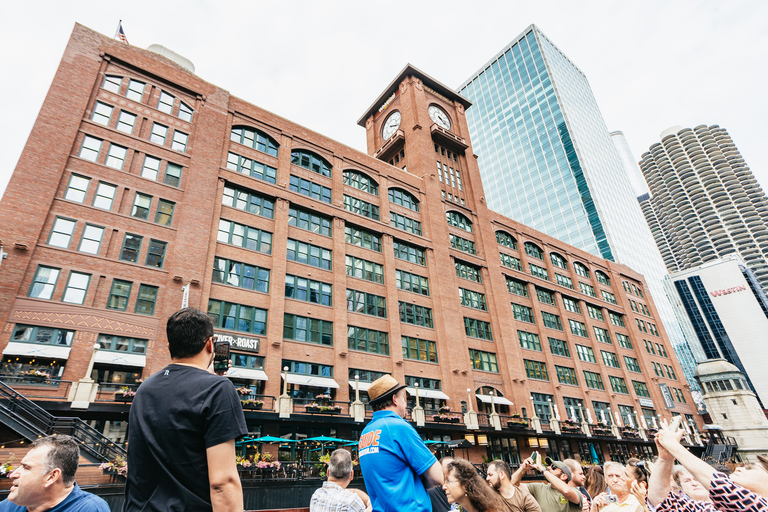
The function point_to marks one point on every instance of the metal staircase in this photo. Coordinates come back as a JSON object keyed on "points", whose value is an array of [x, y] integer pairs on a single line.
{"points": [[32, 421]]}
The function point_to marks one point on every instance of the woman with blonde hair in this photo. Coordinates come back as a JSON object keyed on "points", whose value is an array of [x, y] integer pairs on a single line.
{"points": [[464, 485]]}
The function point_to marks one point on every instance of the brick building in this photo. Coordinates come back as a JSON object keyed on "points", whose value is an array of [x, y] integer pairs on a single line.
{"points": [[142, 187]]}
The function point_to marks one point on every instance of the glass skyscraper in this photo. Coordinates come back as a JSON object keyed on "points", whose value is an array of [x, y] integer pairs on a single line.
{"points": [[547, 160]]}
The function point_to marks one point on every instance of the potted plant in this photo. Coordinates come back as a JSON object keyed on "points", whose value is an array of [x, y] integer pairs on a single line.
{"points": [[124, 394], [6, 468], [517, 421], [323, 398], [244, 391], [570, 426], [117, 468], [36, 375], [444, 410], [629, 432], [445, 418], [255, 405]]}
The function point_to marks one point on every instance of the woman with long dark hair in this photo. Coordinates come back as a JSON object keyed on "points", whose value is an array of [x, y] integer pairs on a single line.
{"points": [[464, 485], [595, 482]]}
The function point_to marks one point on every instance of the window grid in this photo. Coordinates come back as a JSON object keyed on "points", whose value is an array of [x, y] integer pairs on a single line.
{"points": [[566, 375], [602, 278], [517, 287], [558, 260], [595, 312], [594, 381], [618, 385], [250, 202], [458, 220], [309, 254], [308, 330], [365, 239], [366, 303], [610, 359], [407, 252], [484, 361], [126, 121], [116, 156], [580, 269], [472, 299], [164, 214], [405, 223], [156, 253], [141, 205], [91, 239], [467, 271], [505, 239], [131, 247], [623, 340], [364, 269], [252, 168], [415, 314], [105, 194], [241, 235], [586, 354], [523, 313], [77, 188], [307, 290], [462, 244], [412, 282], [477, 329], [536, 370], [90, 148], [241, 275], [587, 289], [602, 335], [552, 321], [420, 350], [253, 138], [559, 347], [76, 288], [102, 113], [311, 161], [360, 181], [119, 295], [146, 299], [578, 328], [538, 271], [608, 297], [632, 364], [310, 189], [616, 319], [309, 221], [360, 207], [159, 134], [367, 340], [512, 262], [403, 198], [545, 296], [61, 232], [571, 305], [237, 317], [529, 340], [565, 281], [534, 250]]}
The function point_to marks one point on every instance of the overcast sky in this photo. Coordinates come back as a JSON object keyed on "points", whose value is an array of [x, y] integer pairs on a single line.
{"points": [[651, 64]]}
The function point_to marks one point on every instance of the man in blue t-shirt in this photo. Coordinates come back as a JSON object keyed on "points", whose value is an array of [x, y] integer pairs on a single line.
{"points": [[45, 480], [393, 457]]}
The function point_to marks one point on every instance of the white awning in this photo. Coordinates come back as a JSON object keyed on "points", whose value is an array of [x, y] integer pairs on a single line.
{"points": [[120, 358], [309, 380], [243, 373], [34, 349], [363, 385], [498, 400], [428, 393]]}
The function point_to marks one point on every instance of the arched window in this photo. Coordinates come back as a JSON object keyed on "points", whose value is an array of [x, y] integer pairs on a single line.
{"points": [[531, 249], [360, 181], [558, 260], [311, 161], [602, 278], [403, 198], [580, 269], [459, 220], [255, 139], [505, 239]]}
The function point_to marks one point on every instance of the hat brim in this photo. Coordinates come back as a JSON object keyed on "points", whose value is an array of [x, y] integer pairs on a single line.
{"points": [[386, 395]]}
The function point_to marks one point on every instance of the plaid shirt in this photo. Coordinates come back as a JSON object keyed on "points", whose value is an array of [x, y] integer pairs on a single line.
{"points": [[333, 498]]}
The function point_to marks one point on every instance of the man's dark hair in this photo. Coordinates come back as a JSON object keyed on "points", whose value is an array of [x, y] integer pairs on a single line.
{"points": [[387, 402], [187, 331], [501, 467], [64, 454]]}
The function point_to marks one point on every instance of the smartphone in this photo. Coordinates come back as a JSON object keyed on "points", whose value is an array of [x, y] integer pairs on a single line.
{"points": [[221, 356], [535, 457], [612, 498]]}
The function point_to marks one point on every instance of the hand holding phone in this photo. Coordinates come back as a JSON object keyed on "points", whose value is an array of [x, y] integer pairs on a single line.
{"points": [[221, 356]]}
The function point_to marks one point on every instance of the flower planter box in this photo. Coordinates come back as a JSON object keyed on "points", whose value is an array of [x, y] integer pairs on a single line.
{"points": [[517, 424], [123, 398], [318, 410], [252, 407], [571, 430], [447, 420], [604, 433]]}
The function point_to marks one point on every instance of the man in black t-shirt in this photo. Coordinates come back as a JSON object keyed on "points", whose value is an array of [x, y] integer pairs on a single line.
{"points": [[182, 429]]}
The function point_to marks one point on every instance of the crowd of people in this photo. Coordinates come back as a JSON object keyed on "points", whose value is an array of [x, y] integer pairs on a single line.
{"points": [[185, 420]]}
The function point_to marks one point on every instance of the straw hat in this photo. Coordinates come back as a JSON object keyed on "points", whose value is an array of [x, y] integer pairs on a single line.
{"points": [[383, 388]]}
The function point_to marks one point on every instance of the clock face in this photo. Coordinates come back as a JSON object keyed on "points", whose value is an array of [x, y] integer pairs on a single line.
{"points": [[439, 116], [391, 125]]}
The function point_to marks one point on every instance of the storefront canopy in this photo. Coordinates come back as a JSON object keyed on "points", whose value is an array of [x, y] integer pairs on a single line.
{"points": [[310, 380], [37, 350], [363, 385], [243, 373], [498, 400], [428, 393]]}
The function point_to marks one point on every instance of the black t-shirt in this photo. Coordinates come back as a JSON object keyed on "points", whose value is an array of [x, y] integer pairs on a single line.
{"points": [[439, 499], [176, 414]]}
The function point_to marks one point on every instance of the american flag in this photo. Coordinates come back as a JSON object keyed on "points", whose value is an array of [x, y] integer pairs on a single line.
{"points": [[120, 34]]}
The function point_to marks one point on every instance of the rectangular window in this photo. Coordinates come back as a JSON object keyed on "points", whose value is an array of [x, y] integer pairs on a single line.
{"points": [[578, 328], [310, 189], [652, 328], [135, 90], [237, 317], [61, 232], [538, 271], [116, 156], [421, 350], [44, 282], [411, 282], [595, 312], [610, 359], [649, 347], [368, 270], [119, 295], [467, 271], [462, 244], [250, 202], [151, 168], [602, 335], [587, 289], [523, 313], [122, 344], [608, 297], [126, 121], [90, 148], [616, 319], [536, 370], [112, 83], [309, 221], [245, 236], [623, 340], [372, 241], [472, 299], [571, 305], [407, 252], [186, 112], [366, 303], [180, 140], [91, 240], [552, 321], [77, 188], [316, 292], [156, 253], [585, 354], [559, 347], [477, 329], [641, 389], [564, 281], [512, 262], [77, 287], [566, 375], [360, 207], [309, 254], [145, 301], [594, 381], [529, 340], [105, 194], [517, 287], [632, 364], [255, 169], [618, 385], [165, 103], [42, 335], [159, 134], [545, 296], [415, 314], [141, 204], [241, 275], [172, 175], [405, 223], [102, 113], [131, 248], [164, 214], [484, 361], [367, 340], [661, 349]]}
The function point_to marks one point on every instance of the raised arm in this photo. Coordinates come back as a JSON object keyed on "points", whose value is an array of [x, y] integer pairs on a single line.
{"points": [[226, 490], [669, 439], [659, 484]]}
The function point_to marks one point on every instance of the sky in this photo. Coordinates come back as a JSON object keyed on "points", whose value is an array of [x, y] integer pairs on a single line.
{"points": [[651, 64]]}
